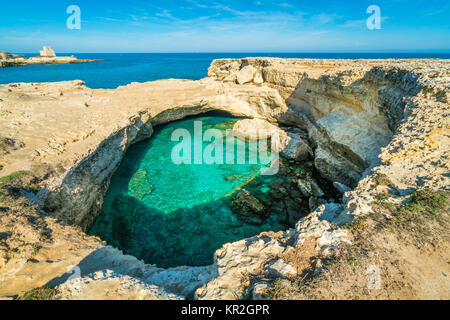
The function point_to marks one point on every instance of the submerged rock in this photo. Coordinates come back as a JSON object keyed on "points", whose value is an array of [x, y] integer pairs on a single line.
{"points": [[248, 208], [233, 177], [220, 126], [139, 186], [314, 203]]}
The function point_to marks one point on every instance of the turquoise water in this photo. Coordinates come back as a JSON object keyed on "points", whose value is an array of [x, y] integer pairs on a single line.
{"points": [[172, 215], [123, 68]]}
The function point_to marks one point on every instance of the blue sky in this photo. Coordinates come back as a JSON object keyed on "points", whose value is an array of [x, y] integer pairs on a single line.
{"points": [[225, 26]]}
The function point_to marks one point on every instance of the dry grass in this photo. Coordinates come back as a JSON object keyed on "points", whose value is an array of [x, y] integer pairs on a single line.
{"points": [[408, 245], [22, 226], [43, 293]]}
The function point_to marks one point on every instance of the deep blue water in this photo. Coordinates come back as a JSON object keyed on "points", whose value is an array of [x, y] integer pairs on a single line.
{"points": [[121, 69]]}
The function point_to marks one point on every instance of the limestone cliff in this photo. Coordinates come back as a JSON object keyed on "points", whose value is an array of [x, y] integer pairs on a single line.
{"points": [[103, 124], [47, 52], [352, 107], [365, 119]]}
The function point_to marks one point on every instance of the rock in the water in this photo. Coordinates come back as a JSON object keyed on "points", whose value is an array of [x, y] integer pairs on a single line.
{"points": [[305, 187], [317, 191], [342, 188], [248, 208], [47, 52], [290, 144], [255, 129], [245, 75], [337, 168], [309, 188], [296, 148]]}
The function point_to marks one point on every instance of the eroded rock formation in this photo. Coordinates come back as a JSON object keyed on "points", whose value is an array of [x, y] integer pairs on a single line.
{"points": [[351, 111], [4, 55], [290, 143], [47, 56], [47, 52]]}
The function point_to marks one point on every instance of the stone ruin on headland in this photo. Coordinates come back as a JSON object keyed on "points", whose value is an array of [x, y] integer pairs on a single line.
{"points": [[47, 52]]}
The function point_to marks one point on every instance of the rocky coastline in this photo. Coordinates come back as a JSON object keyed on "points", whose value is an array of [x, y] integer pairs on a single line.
{"points": [[47, 56], [367, 127]]}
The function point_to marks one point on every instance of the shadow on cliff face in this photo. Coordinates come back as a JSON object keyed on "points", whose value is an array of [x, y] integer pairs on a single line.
{"points": [[380, 94], [183, 242], [187, 236], [141, 240], [91, 177], [334, 161], [107, 263], [80, 193], [190, 236]]}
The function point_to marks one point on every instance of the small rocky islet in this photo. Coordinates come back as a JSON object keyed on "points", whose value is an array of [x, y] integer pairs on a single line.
{"points": [[47, 56]]}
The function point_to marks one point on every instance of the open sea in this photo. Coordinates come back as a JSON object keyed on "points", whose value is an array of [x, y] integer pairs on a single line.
{"points": [[123, 68]]}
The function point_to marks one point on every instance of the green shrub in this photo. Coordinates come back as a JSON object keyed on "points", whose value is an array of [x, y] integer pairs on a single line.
{"points": [[43, 293]]}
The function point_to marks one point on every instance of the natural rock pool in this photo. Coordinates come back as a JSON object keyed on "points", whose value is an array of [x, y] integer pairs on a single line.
{"points": [[172, 215]]}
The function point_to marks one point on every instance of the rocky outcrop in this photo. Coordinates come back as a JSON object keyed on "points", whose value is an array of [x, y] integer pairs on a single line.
{"points": [[106, 285], [290, 143], [47, 56], [255, 256], [364, 119], [257, 129], [47, 52], [351, 108], [245, 75], [248, 208], [297, 147], [89, 153], [4, 55]]}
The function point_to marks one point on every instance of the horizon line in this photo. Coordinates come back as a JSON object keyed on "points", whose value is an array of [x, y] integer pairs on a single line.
{"points": [[445, 51]]}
